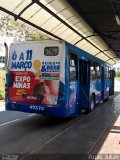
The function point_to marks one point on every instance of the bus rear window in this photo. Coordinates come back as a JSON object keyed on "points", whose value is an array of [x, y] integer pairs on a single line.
{"points": [[51, 51]]}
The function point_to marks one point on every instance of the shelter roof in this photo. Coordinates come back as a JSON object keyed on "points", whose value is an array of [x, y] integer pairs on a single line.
{"points": [[59, 20]]}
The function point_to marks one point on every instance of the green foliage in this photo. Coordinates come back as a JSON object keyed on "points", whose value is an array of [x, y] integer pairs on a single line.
{"points": [[2, 84], [35, 35], [14, 25], [118, 73], [9, 27], [2, 95], [117, 78], [0, 26]]}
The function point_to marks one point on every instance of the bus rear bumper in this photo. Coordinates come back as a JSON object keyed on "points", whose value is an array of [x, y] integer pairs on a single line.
{"points": [[57, 110]]}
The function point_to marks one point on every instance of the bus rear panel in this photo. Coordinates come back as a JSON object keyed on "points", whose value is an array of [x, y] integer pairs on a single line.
{"points": [[36, 78]]}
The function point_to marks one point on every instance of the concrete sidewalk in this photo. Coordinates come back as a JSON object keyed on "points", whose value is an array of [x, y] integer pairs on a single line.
{"points": [[108, 146], [111, 145], [2, 106]]}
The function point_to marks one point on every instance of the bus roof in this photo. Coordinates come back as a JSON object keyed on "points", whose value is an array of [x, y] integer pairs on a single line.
{"points": [[39, 41]]}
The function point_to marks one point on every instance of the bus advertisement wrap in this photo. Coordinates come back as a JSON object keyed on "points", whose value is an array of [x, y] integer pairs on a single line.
{"points": [[34, 80]]}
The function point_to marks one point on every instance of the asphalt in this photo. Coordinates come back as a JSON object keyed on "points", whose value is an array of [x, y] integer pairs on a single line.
{"points": [[31, 136], [81, 138], [21, 133]]}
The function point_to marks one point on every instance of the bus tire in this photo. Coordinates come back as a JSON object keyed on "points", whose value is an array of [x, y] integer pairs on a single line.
{"points": [[92, 103]]}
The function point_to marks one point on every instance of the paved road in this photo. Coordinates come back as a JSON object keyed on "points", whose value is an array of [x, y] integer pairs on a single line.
{"points": [[21, 133], [24, 133]]}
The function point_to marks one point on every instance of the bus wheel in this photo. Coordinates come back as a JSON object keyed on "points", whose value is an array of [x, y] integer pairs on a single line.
{"points": [[92, 103]]}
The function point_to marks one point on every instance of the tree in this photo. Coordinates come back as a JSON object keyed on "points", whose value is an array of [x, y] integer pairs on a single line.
{"points": [[35, 35], [11, 28]]}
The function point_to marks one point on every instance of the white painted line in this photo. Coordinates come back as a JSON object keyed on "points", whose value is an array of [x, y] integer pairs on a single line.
{"points": [[9, 122], [31, 114]]}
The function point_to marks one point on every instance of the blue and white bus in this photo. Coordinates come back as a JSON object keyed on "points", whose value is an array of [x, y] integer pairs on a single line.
{"points": [[55, 78]]}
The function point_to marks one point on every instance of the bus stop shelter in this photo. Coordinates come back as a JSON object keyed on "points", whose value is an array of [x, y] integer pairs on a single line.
{"points": [[69, 20]]}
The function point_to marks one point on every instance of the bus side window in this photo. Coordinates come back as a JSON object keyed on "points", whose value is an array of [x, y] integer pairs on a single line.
{"points": [[92, 70], [107, 72], [73, 68], [98, 71]]}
